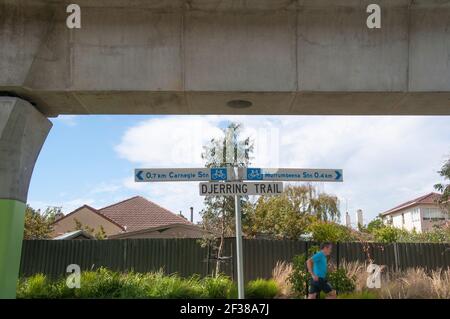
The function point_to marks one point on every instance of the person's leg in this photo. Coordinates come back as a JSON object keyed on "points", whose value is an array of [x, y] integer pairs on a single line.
{"points": [[313, 289], [330, 292], [312, 296]]}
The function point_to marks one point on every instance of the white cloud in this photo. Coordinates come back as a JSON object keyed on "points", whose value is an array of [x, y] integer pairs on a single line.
{"points": [[386, 160], [69, 120], [66, 205], [168, 141]]}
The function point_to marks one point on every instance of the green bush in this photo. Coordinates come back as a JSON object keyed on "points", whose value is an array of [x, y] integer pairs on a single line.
{"points": [[341, 282], [36, 286], [389, 234], [299, 276], [219, 287], [323, 231], [261, 289], [104, 283], [174, 287]]}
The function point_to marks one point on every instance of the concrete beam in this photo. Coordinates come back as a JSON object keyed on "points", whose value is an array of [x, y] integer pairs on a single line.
{"points": [[192, 57]]}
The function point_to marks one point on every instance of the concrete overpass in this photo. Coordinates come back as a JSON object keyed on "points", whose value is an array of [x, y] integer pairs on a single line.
{"points": [[205, 57], [194, 56]]}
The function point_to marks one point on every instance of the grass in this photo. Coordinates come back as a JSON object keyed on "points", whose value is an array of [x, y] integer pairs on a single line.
{"points": [[366, 294], [104, 283], [262, 289], [280, 274], [412, 283], [416, 283]]}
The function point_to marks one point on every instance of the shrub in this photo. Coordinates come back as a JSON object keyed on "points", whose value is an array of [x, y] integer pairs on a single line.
{"points": [[389, 234], [417, 283], [174, 287], [133, 285], [281, 274], [36, 286], [261, 289], [357, 271], [102, 283], [341, 282], [299, 276], [219, 287], [322, 231]]}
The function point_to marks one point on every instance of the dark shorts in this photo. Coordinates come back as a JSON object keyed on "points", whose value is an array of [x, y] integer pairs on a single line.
{"points": [[318, 286]]}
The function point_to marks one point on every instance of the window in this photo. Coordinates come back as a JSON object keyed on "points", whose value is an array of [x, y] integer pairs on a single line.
{"points": [[415, 215], [432, 214]]}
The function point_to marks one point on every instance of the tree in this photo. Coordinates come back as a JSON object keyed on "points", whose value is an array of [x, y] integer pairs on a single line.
{"points": [[375, 224], [284, 216], [39, 225], [289, 215], [443, 188], [230, 150], [325, 207], [325, 231], [100, 234]]}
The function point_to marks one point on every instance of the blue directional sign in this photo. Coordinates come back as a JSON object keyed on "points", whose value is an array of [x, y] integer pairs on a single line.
{"points": [[292, 174], [182, 174]]}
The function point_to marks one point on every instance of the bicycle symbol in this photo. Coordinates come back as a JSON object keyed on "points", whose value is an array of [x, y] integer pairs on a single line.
{"points": [[254, 173], [218, 174]]}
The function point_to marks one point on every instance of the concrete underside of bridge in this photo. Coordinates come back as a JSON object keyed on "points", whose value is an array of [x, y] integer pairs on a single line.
{"points": [[195, 56]]}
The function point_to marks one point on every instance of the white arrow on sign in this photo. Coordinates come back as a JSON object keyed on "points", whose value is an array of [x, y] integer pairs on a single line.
{"points": [[240, 188], [183, 174], [291, 174]]}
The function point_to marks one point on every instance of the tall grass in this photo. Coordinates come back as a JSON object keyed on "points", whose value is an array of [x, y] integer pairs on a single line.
{"points": [[412, 283], [416, 283], [280, 274], [104, 283]]}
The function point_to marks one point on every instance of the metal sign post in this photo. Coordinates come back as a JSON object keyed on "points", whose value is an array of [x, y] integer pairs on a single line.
{"points": [[239, 249]]}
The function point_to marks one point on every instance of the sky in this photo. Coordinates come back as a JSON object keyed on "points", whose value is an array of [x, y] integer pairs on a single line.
{"points": [[386, 160]]}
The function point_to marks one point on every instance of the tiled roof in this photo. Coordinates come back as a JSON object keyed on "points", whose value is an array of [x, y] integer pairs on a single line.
{"points": [[430, 198], [137, 213], [91, 209]]}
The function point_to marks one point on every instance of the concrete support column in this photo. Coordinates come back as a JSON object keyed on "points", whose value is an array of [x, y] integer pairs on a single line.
{"points": [[23, 130]]}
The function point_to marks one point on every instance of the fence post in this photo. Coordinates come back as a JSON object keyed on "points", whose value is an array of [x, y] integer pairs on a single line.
{"points": [[396, 257], [337, 255]]}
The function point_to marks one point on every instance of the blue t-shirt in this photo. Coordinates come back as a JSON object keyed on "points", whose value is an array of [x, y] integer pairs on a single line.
{"points": [[319, 264]]}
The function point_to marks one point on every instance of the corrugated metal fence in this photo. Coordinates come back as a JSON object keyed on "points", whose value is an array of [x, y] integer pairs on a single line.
{"points": [[187, 257]]}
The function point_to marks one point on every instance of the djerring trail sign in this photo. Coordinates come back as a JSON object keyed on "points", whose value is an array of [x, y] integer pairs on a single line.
{"points": [[244, 181], [240, 188]]}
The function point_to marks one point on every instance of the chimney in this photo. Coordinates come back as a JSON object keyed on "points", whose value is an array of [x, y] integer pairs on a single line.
{"points": [[348, 221], [359, 218], [192, 214]]}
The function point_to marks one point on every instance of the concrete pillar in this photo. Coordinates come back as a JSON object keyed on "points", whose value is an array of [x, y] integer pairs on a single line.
{"points": [[23, 130]]}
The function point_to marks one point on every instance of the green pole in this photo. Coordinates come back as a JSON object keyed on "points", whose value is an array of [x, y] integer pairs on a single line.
{"points": [[12, 217]]}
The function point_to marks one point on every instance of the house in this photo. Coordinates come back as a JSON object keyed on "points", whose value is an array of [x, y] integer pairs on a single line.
{"points": [[420, 214], [77, 234], [135, 217]]}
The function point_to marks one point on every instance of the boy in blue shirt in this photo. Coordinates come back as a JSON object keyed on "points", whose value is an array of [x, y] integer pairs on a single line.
{"points": [[317, 267]]}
